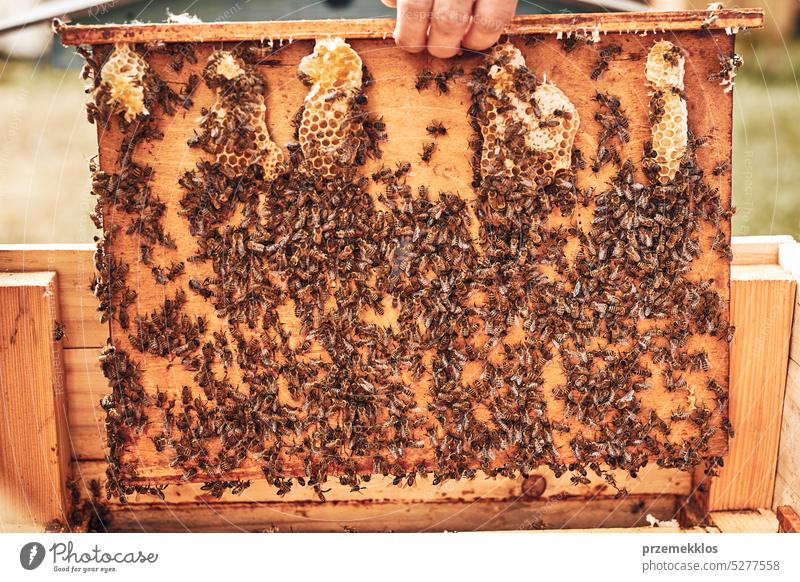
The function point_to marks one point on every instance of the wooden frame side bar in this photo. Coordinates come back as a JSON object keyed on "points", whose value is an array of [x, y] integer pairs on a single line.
{"points": [[621, 22], [34, 438], [787, 480], [762, 307]]}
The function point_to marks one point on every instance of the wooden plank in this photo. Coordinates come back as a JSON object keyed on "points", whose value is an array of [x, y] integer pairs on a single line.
{"points": [[794, 343], [781, 16], [789, 258], [74, 264], [788, 520], [541, 484], [787, 486], [33, 459], [86, 385], [787, 482], [336, 516], [762, 305], [757, 250], [749, 521], [635, 22], [694, 508]]}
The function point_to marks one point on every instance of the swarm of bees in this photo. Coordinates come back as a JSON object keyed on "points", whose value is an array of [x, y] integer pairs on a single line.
{"points": [[614, 124], [605, 55], [87, 514], [440, 80], [338, 256], [728, 67]]}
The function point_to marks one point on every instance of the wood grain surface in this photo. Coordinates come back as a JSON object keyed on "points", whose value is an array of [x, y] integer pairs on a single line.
{"points": [[758, 362], [34, 455], [633, 23]]}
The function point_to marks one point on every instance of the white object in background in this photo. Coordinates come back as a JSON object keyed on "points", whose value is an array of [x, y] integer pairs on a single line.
{"points": [[26, 43]]}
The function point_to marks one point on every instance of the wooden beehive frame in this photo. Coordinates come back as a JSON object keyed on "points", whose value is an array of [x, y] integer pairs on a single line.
{"points": [[380, 57], [667, 23]]}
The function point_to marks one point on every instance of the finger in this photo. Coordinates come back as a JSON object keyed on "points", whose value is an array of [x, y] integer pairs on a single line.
{"points": [[488, 21], [449, 22], [411, 30], [390, 3]]}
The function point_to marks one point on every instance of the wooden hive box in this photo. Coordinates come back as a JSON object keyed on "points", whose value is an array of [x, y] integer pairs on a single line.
{"points": [[454, 408]]}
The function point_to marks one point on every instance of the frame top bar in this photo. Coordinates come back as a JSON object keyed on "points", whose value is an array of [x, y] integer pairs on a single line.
{"points": [[600, 23]]}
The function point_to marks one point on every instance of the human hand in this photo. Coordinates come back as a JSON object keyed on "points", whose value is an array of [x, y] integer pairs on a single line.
{"points": [[445, 26]]}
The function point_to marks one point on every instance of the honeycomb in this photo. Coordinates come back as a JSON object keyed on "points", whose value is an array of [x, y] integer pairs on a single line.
{"points": [[664, 72], [227, 67], [539, 113], [334, 72], [122, 78], [241, 109]]}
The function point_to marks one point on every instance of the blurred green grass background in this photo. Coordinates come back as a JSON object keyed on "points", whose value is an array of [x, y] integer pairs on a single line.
{"points": [[766, 144], [46, 145]]}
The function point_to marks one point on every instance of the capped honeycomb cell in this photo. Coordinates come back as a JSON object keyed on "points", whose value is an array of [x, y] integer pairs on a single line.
{"points": [[664, 72], [122, 78], [238, 117], [665, 64], [334, 72], [529, 126], [227, 67]]}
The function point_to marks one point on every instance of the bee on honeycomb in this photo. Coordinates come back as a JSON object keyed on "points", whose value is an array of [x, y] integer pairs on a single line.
{"points": [[123, 82], [529, 127], [235, 127], [664, 71], [334, 73], [226, 65]]}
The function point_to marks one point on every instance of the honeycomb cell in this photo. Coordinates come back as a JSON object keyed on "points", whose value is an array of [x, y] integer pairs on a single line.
{"points": [[525, 119], [122, 76], [227, 67], [665, 66], [334, 71], [249, 110], [665, 72]]}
